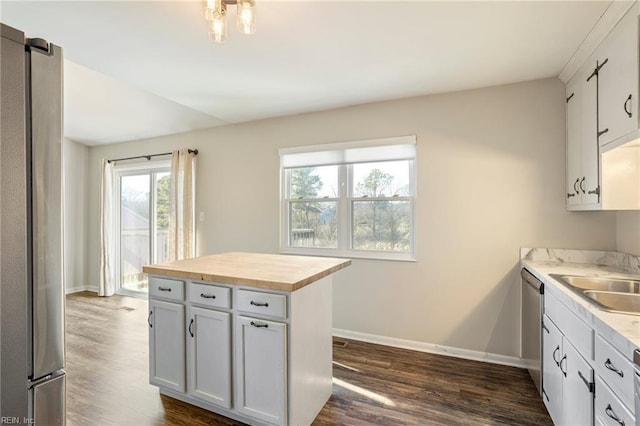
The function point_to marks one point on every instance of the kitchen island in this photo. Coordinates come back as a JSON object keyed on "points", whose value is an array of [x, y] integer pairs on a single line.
{"points": [[245, 335]]}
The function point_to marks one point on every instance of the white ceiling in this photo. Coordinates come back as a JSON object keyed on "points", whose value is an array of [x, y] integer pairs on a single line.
{"points": [[161, 74]]}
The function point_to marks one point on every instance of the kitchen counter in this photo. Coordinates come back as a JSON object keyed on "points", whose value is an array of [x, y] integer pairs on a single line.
{"points": [[621, 330], [245, 335], [267, 271]]}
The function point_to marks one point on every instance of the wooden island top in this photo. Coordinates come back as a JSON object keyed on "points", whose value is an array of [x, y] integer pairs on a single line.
{"points": [[268, 271]]}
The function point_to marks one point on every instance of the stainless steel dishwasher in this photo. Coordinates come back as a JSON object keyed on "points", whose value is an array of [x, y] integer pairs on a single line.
{"points": [[531, 326]]}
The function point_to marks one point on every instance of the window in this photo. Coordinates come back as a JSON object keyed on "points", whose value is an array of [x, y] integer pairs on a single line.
{"points": [[353, 199], [142, 222]]}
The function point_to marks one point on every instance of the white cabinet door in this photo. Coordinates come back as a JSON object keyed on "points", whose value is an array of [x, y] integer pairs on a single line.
{"points": [[582, 176], [551, 373], [589, 184], [574, 140], [166, 345], [577, 387], [210, 355], [261, 348], [618, 79]]}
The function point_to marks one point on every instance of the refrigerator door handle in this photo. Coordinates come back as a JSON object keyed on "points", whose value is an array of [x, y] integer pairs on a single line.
{"points": [[46, 211]]}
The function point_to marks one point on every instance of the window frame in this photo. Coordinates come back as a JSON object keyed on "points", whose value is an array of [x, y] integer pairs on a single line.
{"points": [[345, 202]]}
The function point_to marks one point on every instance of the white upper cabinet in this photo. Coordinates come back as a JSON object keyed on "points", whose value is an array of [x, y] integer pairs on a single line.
{"points": [[618, 79], [583, 189], [602, 113]]}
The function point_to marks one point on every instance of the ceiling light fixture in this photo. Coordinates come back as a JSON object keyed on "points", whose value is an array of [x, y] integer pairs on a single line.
{"points": [[215, 12]]}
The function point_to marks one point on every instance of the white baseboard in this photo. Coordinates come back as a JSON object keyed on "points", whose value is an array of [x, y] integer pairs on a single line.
{"points": [[76, 289], [430, 348]]}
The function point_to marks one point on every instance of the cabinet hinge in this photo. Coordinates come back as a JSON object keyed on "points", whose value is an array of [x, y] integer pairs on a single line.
{"points": [[595, 191], [597, 69], [591, 385], [40, 44], [570, 96]]}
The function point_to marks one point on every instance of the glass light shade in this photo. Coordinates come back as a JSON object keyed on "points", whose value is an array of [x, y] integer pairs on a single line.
{"points": [[218, 26], [246, 18], [209, 7]]}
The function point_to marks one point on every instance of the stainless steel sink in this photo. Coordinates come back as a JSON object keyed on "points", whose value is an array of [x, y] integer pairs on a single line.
{"points": [[610, 294], [617, 285], [616, 302]]}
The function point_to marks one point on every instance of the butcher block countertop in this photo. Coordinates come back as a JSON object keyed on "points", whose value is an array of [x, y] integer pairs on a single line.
{"points": [[268, 271]]}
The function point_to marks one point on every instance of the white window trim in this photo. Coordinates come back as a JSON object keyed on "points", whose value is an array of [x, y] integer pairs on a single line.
{"points": [[130, 169], [345, 198]]}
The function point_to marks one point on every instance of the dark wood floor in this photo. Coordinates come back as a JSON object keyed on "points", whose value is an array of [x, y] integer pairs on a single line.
{"points": [[107, 366]]}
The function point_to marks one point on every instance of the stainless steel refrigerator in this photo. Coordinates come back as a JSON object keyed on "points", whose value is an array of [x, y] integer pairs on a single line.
{"points": [[32, 347]]}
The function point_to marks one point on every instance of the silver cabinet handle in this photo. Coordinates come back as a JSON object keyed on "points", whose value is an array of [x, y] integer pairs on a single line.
{"points": [[611, 367], [207, 296], [259, 325], [266, 305], [164, 288], [609, 412]]}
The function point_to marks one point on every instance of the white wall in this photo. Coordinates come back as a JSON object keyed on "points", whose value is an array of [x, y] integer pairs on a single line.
{"points": [[490, 180], [628, 234], [75, 162]]}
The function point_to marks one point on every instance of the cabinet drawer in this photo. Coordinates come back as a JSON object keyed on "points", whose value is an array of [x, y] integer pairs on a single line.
{"points": [[166, 288], [210, 295], [576, 330], [616, 370], [257, 302], [608, 407]]}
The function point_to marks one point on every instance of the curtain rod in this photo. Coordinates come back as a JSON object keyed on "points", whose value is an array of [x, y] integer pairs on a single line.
{"points": [[148, 157]]}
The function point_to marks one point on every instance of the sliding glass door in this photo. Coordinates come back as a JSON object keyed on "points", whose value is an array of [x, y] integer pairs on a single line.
{"points": [[143, 223]]}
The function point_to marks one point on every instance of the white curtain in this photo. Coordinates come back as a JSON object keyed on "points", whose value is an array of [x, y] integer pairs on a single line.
{"points": [[182, 220], [107, 257]]}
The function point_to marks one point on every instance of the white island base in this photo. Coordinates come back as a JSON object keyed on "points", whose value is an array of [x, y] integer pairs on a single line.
{"points": [[256, 355]]}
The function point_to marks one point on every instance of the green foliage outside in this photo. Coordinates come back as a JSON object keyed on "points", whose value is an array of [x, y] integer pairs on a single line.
{"points": [[377, 224]]}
